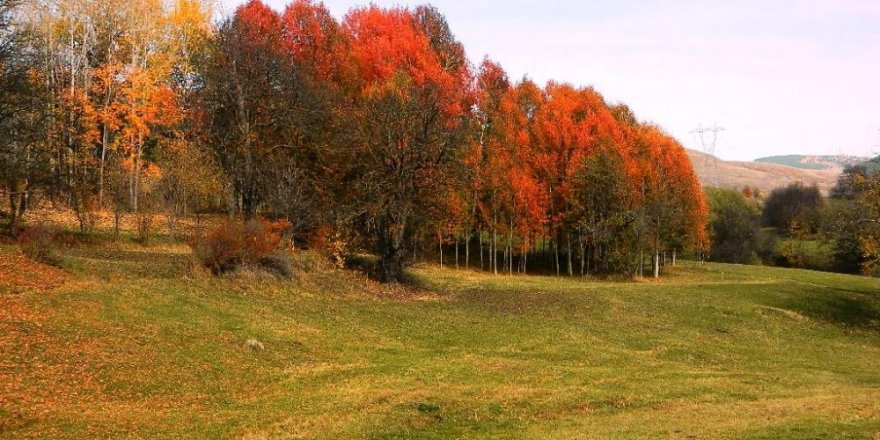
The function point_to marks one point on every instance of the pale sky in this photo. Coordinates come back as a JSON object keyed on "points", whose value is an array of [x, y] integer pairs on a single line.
{"points": [[781, 77]]}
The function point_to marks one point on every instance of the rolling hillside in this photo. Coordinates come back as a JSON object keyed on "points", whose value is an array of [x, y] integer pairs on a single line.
{"points": [[813, 162], [128, 342], [765, 176]]}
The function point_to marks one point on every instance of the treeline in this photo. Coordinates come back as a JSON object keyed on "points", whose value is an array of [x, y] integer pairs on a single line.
{"points": [[371, 133], [796, 226]]}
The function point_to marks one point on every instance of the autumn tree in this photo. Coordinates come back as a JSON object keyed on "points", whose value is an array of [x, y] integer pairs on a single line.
{"points": [[484, 161], [272, 91], [374, 127], [410, 111], [602, 214], [674, 211], [24, 161], [569, 126], [243, 78], [855, 221]]}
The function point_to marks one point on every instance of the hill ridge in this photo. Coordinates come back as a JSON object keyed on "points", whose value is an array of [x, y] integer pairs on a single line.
{"points": [[713, 171]]}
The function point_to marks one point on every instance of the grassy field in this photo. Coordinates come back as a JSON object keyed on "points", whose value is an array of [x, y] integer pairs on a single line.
{"points": [[131, 342]]}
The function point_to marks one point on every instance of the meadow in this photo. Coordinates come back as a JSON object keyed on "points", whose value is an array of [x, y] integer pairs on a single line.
{"points": [[127, 341]]}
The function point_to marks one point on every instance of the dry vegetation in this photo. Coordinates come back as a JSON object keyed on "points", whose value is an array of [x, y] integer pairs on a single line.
{"points": [[131, 341], [764, 176]]}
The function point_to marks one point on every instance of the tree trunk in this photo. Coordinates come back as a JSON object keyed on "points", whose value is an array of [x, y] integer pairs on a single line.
{"points": [[556, 253], [440, 246], [583, 258], [495, 250], [17, 206], [172, 223], [568, 253], [117, 212], [456, 252], [104, 141], [467, 252], [390, 250], [482, 267], [656, 264], [641, 269], [673, 257], [510, 247]]}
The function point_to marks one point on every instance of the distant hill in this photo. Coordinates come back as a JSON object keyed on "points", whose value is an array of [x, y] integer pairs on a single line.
{"points": [[765, 176], [812, 162]]}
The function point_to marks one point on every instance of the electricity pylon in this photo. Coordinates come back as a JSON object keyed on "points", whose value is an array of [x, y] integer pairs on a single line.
{"points": [[711, 164]]}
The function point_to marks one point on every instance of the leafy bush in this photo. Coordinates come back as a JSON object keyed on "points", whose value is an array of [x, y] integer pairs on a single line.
{"points": [[234, 244], [39, 244]]}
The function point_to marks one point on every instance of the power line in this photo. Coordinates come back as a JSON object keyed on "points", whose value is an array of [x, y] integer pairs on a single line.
{"points": [[876, 150], [711, 161]]}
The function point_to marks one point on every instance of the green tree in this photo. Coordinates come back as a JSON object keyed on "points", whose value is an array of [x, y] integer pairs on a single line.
{"points": [[856, 222], [23, 160], [602, 213], [795, 207], [734, 225]]}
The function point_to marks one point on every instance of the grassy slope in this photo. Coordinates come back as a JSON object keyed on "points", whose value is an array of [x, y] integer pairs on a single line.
{"points": [[791, 161], [127, 343]]}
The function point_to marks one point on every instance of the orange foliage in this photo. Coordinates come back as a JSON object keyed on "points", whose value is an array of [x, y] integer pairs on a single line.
{"points": [[226, 247]]}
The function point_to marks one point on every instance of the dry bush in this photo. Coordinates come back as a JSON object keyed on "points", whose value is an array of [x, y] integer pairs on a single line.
{"points": [[144, 222], [277, 263], [233, 244], [39, 243], [330, 242]]}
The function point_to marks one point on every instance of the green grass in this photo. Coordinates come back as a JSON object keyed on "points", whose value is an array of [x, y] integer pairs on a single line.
{"points": [[134, 343], [815, 253], [794, 161]]}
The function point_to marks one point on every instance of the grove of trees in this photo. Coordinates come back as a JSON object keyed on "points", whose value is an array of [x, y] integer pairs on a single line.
{"points": [[374, 130], [854, 220], [797, 226]]}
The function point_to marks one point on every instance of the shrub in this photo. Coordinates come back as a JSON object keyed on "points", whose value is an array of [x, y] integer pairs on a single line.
{"points": [[310, 261], [144, 222], [278, 264], [332, 243], [39, 244], [767, 246], [233, 244]]}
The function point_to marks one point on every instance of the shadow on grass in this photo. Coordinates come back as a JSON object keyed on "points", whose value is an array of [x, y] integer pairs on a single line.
{"points": [[108, 262], [839, 307]]}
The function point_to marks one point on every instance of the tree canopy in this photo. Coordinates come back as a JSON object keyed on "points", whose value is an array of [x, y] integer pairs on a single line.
{"points": [[375, 129]]}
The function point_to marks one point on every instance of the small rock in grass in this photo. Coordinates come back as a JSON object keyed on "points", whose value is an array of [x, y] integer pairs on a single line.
{"points": [[254, 344]]}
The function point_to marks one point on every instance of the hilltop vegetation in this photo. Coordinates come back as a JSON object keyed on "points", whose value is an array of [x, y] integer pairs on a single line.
{"points": [[806, 162], [132, 341], [713, 171]]}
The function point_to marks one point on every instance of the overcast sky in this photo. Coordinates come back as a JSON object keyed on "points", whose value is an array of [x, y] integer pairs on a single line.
{"points": [[781, 77]]}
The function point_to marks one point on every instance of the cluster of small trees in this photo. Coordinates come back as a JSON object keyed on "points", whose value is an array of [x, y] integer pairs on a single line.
{"points": [[375, 130], [103, 108], [854, 219], [749, 230]]}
